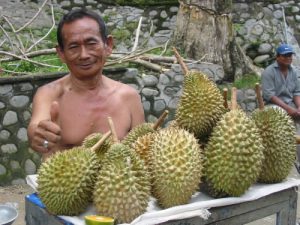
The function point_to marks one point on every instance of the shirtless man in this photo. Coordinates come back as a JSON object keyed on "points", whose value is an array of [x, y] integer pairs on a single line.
{"points": [[65, 111]]}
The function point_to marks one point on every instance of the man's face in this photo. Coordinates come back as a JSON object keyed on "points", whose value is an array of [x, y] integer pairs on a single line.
{"points": [[84, 50], [285, 60]]}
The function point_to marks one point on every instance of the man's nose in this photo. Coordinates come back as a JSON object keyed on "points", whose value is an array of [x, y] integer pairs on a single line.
{"points": [[84, 52]]}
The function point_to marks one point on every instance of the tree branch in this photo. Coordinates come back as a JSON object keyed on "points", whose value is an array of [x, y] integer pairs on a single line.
{"points": [[32, 19], [49, 31], [137, 35], [28, 60]]}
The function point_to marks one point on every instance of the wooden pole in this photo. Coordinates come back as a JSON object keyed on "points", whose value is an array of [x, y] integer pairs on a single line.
{"points": [[233, 98], [260, 100], [160, 119], [179, 59], [101, 141]]}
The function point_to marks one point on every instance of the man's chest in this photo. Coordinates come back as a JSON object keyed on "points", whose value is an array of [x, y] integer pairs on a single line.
{"points": [[79, 119]]}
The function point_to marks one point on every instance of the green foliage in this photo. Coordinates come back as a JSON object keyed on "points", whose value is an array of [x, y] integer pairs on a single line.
{"points": [[105, 18], [22, 66], [246, 81], [288, 10], [121, 34], [144, 2], [131, 26], [237, 26], [159, 51], [274, 1], [52, 36]]}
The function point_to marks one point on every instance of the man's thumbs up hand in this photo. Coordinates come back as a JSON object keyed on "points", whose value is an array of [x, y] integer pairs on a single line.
{"points": [[54, 112], [48, 133]]}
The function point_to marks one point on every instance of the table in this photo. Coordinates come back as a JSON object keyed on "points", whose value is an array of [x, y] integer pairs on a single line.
{"points": [[282, 203]]}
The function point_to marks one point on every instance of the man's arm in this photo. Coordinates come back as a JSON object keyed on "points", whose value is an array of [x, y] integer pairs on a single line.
{"points": [[268, 84], [296, 97], [297, 101], [41, 127], [290, 110], [136, 108]]}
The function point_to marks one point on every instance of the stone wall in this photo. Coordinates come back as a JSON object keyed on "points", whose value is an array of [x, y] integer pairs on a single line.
{"points": [[158, 92], [258, 24], [16, 160]]}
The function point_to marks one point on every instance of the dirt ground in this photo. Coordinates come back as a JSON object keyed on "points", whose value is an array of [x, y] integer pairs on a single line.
{"points": [[17, 194]]}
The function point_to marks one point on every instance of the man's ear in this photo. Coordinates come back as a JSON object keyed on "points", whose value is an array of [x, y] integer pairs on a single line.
{"points": [[109, 45], [60, 53]]}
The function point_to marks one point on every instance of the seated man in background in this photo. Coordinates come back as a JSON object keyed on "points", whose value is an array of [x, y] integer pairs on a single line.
{"points": [[280, 85], [65, 111]]}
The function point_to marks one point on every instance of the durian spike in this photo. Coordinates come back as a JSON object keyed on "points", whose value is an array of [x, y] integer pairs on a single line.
{"points": [[160, 120], [225, 93], [113, 130], [100, 142], [233, 98], [260, 100], [179, 59]]}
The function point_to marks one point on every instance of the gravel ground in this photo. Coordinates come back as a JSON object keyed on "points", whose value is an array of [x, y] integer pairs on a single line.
{"points": [[17, 193]]}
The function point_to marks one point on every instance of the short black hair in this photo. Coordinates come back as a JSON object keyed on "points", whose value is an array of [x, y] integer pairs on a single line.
{"points": [[79, 14]]}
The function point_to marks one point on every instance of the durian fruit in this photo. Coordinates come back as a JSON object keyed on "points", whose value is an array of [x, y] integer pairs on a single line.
{"points": [[122, 190], [234, 154], [93, 138], [207, 187], [140, 137], [136, 132], [173, 123], [66, 181], [200, 105], [142, 147], [277, 130], [143, 129], [176, 166]]}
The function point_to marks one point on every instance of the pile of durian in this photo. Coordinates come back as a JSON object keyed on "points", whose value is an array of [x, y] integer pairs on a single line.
{"points": [[208, 147]]}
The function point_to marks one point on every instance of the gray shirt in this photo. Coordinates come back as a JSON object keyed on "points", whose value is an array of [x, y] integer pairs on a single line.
{"points": [[275, 84]]}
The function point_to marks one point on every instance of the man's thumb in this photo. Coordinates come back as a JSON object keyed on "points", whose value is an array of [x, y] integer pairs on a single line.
{"points": [[54, 112]]}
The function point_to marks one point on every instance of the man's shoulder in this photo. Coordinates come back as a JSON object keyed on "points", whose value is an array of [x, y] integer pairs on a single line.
{"points": [[53, 88], [269, 70], [122, 88]]}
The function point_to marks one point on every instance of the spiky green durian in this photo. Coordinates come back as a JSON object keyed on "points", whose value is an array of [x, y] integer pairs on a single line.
{"points": [[123, 187], [92, 139], [234, 154], [142, 147], [201, 104], [207, 187], [137, 132], [176, 166], [278, 133], [66, 181]]}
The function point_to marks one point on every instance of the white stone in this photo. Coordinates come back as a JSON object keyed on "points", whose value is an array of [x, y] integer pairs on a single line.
{"points": [[10, 118], [30, 167], [14, 165], [22, 134], [9, 148], [2, 170]]}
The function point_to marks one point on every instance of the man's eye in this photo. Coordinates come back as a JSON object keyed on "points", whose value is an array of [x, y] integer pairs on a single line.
{"points": [[73, 46]]}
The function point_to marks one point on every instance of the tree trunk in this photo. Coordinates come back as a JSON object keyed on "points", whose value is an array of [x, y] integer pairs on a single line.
{"points": [[204, 30]]}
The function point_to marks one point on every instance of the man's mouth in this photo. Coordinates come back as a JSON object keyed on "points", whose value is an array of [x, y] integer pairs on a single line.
{"points": [[86, 65]]}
